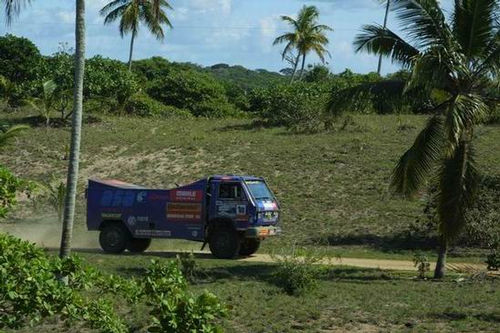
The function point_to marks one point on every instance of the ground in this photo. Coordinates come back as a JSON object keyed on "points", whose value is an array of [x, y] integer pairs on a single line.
{"points": [[333, 188]]}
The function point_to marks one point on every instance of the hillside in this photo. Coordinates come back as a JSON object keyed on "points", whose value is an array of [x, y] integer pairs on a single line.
{"points": [[333, 186]]}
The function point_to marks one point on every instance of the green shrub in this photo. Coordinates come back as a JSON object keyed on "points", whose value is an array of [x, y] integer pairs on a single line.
{"points": [[20, 59], [422, 264], [197, 92], [493, 260], [31, 291], [10, 186], [142, 105], [297, 273], [173, 309], [298, 106]]}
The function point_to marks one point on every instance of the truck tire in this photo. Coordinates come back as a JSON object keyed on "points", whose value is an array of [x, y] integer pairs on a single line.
{"points": [[249, 246], [138, 245], [114, 238], [224, 242]]}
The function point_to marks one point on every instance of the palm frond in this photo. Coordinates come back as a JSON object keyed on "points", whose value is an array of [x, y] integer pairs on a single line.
{"points": [[376, 40], [112, 6], [7, 134], [414, 167], [457, 189], [12, 8], [474, 25], [464, 111], [423, 21]]}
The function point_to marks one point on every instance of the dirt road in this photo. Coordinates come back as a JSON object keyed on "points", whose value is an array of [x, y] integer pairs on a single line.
{"points": [[399, 265]]}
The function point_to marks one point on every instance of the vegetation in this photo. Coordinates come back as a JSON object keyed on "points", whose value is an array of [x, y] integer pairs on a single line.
{"points": [[456, 60], [31, 292]]}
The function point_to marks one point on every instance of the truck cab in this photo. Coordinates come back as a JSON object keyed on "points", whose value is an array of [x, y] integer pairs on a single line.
{"points": [[232, 214]]}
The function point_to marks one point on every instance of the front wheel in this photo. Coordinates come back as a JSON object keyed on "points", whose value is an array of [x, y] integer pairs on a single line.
{"points": [[249, 246], [138, 245], [114, 238], [224, 242]]}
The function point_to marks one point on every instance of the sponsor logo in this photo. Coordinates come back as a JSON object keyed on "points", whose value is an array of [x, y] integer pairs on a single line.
{"points": [[117, 198], [186, 195], [111, 216], [184, 211], [152, 233], [141, 196], [131, 220]]}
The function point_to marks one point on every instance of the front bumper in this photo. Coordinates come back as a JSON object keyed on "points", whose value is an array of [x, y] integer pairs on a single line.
{"points": [[262, 232]]}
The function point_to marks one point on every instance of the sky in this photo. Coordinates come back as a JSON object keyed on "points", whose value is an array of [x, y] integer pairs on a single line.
{"points": [[207, 32]]}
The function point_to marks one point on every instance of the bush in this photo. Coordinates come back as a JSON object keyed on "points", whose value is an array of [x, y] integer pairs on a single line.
{"points": [[174, 310], [20, 59], [298, 107], [481, 219], [422, 264], [297, 273], [31, 292], [197, 92], [10, 186], [142, 105]]}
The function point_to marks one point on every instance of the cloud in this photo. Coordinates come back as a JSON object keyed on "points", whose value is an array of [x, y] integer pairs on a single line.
{"points": [[66, 16]]}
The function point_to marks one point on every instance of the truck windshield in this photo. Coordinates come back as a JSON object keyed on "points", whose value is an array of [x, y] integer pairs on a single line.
{"points": [[259, 190]]}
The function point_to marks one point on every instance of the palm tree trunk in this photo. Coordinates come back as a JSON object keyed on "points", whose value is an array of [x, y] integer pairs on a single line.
{"points": [[441, 261], [303, 65], [69, 201], [295, 67], [379, 68], [131, 51]]}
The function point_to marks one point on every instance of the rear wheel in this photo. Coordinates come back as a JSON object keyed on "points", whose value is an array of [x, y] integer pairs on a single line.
{"points": [[114, 238], [224, 242], [138, 245], [249, 246]]}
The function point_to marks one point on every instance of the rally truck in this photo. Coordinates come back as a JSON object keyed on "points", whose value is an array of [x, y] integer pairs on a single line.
{"points": [[232, 214]]}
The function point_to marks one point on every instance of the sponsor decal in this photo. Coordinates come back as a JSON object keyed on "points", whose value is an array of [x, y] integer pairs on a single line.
{"points": [[152, 233], [186, 195], [270, 205], [184, 211], [117, 198], [241, 209], [111, 216], [141, 196], [194, 233], [131, 220]]}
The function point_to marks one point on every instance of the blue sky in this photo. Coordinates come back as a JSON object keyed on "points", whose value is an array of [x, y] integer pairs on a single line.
{"points": [[208, 31]]}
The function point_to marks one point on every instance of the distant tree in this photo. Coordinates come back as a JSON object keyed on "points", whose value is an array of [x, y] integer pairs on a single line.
{"points": [[134, 12], [458, 61], [317, 73], [307, 36], [20, 59]]}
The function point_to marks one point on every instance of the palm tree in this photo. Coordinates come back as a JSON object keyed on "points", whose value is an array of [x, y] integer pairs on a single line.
{"points": [[387, 6], [307, 36], [459, 59], [134, 12], [12, 7]]}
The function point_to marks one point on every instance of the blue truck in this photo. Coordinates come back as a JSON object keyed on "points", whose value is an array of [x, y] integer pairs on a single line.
{"points": [[232, 214]]}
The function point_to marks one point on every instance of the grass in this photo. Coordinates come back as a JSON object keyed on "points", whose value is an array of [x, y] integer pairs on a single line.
{"points": [[333, 187], [348, 299]]}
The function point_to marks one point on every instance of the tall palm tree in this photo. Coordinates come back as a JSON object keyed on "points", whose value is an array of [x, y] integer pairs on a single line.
{"points": [[12, 7], [460, 59], [387, 6], [134, 12], [307, 36]]}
